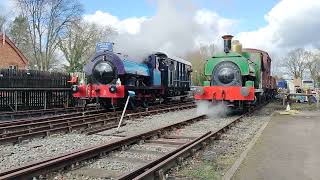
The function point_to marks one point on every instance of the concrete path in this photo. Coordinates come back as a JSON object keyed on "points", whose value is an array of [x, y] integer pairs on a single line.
{"points": [[288, 149]]}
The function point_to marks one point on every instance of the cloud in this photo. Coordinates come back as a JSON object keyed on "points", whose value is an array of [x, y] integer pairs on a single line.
{"points": [[290, 24], [129, 25], [176, 28]]}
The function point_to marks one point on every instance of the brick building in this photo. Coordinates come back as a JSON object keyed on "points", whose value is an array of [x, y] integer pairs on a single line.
{"points": [[10, 56]]}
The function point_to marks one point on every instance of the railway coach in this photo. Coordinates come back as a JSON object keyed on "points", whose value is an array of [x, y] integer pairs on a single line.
{"points": [[112, 75], [238, 77]]}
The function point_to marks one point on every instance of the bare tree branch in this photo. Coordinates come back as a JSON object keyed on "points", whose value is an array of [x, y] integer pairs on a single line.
{"points": [[313, 66], [78, 43], [198, 59], [296, 62], [47, 21]]}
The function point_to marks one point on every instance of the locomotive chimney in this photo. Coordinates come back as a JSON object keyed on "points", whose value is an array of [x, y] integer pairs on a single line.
{"points": [[227, 43]]}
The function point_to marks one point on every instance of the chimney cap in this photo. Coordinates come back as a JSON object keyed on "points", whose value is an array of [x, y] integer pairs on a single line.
{"points": [[227, 37]]}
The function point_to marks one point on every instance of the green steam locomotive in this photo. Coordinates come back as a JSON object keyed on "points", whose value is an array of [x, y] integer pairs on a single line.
{"points": [[238, 77]]}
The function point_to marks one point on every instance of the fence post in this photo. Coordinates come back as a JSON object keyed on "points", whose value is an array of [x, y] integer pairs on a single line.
{"points": [[67, 99], [45, 100], [16, 100]]}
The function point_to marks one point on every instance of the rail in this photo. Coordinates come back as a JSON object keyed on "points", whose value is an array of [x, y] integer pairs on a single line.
{"points": [[152, 170], [18, 131]]}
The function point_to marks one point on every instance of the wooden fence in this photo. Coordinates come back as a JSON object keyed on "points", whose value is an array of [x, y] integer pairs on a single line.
{"points": [[29, 89]]}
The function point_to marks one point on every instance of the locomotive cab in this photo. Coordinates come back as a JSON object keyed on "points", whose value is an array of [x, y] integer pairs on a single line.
{"points": [[175, 73]]}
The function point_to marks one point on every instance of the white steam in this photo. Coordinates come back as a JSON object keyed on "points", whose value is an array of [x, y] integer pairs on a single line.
{"points": [[211, 110], [178, 27]]}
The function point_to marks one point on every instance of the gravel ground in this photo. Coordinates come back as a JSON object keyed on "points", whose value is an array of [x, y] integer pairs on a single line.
{"points": [[39, 149], [19, 154], [203, 126], [152, 122], [126, 154], [110, 162], [117, 163], [128, 160], [159, 148], [114, 161], [48, 147], [220, 155]]}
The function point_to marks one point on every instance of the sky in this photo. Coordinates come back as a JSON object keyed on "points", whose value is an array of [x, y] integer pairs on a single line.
{"points": [[250, 13], [179, 26], [276, 26]]}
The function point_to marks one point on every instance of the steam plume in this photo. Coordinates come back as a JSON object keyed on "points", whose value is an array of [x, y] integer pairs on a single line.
{"points": [[177, 27], [211, 110]]}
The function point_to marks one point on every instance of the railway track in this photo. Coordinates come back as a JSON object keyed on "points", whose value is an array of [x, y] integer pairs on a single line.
{"points": [[180, 147], [7, 116], [73, 114], [19, 130], [31, 120]]}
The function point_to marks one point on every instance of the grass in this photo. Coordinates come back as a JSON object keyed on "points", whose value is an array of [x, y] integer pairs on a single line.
{"points": [[294, 106], [202, 171], [303, 106]]}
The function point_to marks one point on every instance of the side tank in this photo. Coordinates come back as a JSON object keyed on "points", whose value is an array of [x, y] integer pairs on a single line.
{"points": [[135, 68]]}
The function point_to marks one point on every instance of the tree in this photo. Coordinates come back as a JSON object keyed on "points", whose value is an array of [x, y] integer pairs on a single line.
{"points": [[21, 38], [78, 43], [2, 22], [313, 67], [47, 20], [296, 62], [198, 59]]}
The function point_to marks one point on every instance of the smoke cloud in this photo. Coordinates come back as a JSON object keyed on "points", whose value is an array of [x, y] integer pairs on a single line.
{"points": [[212, 110], [178, 27]]}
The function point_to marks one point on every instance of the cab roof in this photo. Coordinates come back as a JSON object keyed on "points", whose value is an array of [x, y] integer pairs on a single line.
{"points": [[183, 61]]}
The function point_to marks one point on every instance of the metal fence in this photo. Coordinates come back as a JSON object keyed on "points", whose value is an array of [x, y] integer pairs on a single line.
{"points": [[30, 89]]}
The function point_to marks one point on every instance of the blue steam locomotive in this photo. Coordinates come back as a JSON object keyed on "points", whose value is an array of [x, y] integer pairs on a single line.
{"points": [[112, 75]]}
